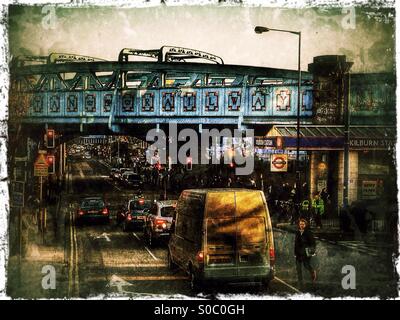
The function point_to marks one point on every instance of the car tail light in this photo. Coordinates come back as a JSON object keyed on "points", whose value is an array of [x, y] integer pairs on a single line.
{"points": [[161, 223], [129, 217], [81, 213], [141, 201], [105, 211], [272, 256], [200, 257]]}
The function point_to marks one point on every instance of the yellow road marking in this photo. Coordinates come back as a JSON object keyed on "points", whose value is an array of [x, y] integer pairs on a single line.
{"points": [[73, 272], [76, 260], [70, 262]]}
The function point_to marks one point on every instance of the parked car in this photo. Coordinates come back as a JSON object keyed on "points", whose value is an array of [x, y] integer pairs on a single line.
{"points": [[92, 209], [135, 215], [122, 171], [222, 235], [114, 172], [158, 221], [132, 180]]}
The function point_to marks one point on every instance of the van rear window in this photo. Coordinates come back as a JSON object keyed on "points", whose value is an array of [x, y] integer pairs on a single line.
{"points": [[249, 204], [220, 204]]}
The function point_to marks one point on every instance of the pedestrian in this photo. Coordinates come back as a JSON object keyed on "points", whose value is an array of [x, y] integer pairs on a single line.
{"points": [[304, 250], [305, 210], [318, 210], [344, 219], [324, 195]]}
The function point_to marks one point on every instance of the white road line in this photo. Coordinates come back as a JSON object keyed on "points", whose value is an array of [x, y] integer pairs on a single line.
{"points": [[136, 236], [148, 250], [287, 284], [154, 257], [113, 185], [135, 265]]}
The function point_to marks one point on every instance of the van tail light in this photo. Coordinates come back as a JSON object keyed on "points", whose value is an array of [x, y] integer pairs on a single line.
{"points": [[81, 213], [200, 257], [161, 223], [272, 256], [105, 211]]}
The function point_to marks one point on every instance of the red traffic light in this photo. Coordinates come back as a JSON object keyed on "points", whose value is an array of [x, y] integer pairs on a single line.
{"points": [[158, 166], [50, 160], [50, 138], [51, 163]]}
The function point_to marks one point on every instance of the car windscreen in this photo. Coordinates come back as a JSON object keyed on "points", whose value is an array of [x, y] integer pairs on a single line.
{"points": [[133, 177], [139, 205], [92, 203], [167, 212]]}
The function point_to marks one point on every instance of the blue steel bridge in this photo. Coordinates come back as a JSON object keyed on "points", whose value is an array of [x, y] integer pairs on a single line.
{"points": [[185, 86]]}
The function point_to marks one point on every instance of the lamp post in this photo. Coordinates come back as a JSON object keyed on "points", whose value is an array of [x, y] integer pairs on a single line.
{"points": [[259, 30]]}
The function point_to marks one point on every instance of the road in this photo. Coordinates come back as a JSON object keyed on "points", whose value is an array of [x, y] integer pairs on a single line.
{"points": [[102, 261]]}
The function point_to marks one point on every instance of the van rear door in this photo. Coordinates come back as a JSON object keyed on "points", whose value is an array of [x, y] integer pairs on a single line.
{"points": [[236, 240], [221, 234], [251, 233]]}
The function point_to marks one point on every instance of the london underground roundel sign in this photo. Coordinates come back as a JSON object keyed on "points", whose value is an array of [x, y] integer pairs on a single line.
{"points": [[279, 162]]}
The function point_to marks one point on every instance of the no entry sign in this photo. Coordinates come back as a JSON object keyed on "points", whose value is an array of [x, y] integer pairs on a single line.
{"points": [[279, 162]]}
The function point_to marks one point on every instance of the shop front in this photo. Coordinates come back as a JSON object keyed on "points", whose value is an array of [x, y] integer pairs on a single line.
{"points": [[372, 171]]}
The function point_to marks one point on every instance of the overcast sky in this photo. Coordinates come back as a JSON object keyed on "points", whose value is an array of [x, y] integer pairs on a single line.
{"points": [[367, 37]]}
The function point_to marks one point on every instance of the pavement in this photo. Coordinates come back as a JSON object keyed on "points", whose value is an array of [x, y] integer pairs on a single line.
{"points": [[373, 242]]}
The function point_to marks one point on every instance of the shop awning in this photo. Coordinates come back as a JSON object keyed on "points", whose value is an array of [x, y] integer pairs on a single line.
{"points": [[330, 137]]}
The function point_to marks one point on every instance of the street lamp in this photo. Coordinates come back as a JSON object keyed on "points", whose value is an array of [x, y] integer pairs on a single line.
{"points": [[259, 30]]}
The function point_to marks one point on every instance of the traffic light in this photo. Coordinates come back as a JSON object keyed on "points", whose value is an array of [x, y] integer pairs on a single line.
{"points": [[51, 163], [158, 166], [189, 163], [50, 138]]}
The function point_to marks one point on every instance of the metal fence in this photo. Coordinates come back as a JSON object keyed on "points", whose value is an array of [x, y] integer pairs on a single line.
{"points": [[374, 225]]}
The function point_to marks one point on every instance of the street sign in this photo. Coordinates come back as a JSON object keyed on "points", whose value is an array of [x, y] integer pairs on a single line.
{"points": [[40, 166], [279, 162]]}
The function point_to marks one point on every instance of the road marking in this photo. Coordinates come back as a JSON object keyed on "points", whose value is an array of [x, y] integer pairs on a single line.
{"points": [[135, 265], [148, 250], [155, 278], [287, 284], [104, 235], [136, 236], [113, 185], [119, 283], [154, 257], [76, 260], [81, 173], [70, 260], [73, 272]]}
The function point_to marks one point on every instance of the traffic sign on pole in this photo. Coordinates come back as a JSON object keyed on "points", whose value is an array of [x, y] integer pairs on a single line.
{"points": [[40, 166]]}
